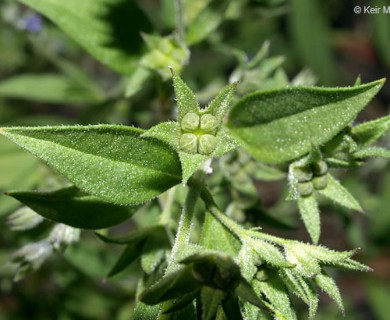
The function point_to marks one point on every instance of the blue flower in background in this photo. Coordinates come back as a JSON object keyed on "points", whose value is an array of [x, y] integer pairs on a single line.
{"points": [[33, 23]]}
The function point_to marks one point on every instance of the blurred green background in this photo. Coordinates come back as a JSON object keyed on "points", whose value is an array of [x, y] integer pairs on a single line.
{"points": [[47, 78]]}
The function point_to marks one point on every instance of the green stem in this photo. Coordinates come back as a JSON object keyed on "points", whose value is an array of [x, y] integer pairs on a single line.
{"points": [[183, 232], [165, 218]]}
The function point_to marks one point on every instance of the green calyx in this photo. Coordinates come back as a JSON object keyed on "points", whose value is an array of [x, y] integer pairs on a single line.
{"points": [[198, 133]]}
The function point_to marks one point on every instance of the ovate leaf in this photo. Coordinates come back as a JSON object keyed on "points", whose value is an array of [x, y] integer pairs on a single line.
{"points": [[283, 125], [74, 208], [336, 192], [165, 131], [308, 208], [100, 27], [111, 162]]}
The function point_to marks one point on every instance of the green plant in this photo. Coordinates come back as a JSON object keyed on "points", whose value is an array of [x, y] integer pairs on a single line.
{"points": [[197, 261]]}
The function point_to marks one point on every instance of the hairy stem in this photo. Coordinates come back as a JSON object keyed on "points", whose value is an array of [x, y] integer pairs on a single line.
{"points": [[183, 232]]}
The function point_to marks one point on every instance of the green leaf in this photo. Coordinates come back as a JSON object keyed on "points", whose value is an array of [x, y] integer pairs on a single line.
{"points": [[310, 35], [46, 88], [215, 236], [134, 237], [380, 30], [25, 177], [231, 308], [275, 292], [308, 208], [283, 125], [211, 299], [327, 284], [127, 257], [207, 20], [336, 192], [111, 162], [135, 82], [165, 131], [173, 285], [145, 312], [190, 163], [246, 292], [164, 52], [304, 263], [74, 208], [368, 132], [350, 264], [326, 255], [153, 251], [182, 302], [298, 286], [186, 99], [221, 103], [270, 254], [372, 152], [98, 27]]}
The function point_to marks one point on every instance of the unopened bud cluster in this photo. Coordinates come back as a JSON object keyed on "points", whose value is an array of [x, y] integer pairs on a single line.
{"points": [[198, 133], [310, 178]]}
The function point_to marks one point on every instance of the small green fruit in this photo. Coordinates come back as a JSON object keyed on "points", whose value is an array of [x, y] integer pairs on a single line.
{"points": [[208, 123], [303, 174], [190, 122], [188, 142], [207, 144], [321, 182], [320, 168], [305, 189]]}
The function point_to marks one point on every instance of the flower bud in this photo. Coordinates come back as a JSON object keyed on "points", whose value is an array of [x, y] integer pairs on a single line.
{"points": [[208, 123], [190, 122], [302, 174], [319, 168], [188, 142], [207, 144], [320, 182], [305, 189]]}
